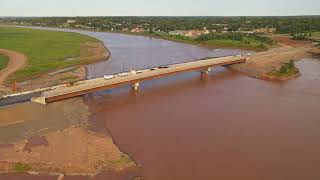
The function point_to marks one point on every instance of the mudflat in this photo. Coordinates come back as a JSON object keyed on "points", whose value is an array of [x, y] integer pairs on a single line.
{"points": [[55, 139]]}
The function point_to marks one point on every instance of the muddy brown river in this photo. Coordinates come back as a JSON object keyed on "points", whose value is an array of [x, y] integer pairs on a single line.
{"points": [[225, 126]]}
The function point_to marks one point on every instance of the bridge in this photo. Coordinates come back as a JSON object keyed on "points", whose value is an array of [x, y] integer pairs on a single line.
{"points": [[133, 77]]}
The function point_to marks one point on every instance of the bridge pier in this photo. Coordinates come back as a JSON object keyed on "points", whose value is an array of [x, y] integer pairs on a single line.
{"points": [[136, 86], [206, 71]]}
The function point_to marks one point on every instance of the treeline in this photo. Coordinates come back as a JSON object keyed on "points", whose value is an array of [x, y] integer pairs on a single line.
{"points": [[292, 24], [301, 36]]}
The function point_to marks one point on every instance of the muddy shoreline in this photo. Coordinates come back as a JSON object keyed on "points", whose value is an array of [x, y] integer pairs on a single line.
{"points": [[261, 65], [59, 142]]}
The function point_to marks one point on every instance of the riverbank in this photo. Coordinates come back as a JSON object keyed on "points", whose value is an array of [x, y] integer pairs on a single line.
{"points": [[211, 45], [55, 139], [265, 65]]}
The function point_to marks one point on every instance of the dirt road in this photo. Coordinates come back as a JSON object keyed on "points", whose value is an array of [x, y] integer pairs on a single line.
{"points": [[17, 61]]}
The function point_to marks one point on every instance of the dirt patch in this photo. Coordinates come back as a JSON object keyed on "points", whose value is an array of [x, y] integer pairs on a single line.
{"points": [[3, 146], [58, 77], [286, 41], [26, 120], [16, 62], [70, 151], [35, 142]]}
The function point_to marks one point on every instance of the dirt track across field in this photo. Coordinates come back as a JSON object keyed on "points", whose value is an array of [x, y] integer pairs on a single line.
{"points": [[16, 61]]}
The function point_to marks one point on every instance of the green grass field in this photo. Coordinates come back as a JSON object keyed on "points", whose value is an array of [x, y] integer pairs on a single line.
{"points": [[46, 50], [227, 43], [231, 43], [316, 35], [3, 61]]}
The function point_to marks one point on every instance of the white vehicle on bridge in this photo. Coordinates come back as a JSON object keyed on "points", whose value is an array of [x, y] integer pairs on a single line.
{"points": [[123, 74], [108, 77]]}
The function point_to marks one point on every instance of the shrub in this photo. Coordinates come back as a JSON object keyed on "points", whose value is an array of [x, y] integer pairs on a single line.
{"points": [[287, 69], [21, 167]]}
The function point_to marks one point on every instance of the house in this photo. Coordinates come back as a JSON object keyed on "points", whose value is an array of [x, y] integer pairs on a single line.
{"points": [[71, 21], [137, 30], [189, 33], [194, 33], [265, 30]]}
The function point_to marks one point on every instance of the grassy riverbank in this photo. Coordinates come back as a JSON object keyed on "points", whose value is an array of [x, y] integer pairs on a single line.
{"points": [[228, 40], [49, 50], [3, 61], [243, 41], [315, 35], [246, 42]]}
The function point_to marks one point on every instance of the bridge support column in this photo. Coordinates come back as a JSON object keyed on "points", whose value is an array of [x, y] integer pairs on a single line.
{"points": [[135, 86], [206, 71]]}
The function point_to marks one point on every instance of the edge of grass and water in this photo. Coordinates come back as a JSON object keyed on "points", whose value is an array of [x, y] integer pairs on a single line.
{"points": [[223, 44]]}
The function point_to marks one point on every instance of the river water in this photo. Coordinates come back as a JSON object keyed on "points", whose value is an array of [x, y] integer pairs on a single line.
{"points": [[224, 126]]}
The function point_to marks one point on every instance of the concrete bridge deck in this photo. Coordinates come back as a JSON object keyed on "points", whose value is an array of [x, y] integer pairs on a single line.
{"points": [[98, 84]]}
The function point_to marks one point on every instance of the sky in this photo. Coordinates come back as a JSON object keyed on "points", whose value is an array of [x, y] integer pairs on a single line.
{"points": [[159, 7]]}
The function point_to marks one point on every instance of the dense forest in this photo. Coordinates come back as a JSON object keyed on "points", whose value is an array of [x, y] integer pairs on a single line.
{"points": [[288, 25]]}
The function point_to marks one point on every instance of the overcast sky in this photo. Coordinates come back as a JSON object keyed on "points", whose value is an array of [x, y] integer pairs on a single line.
{"points": [[158, 7]]}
